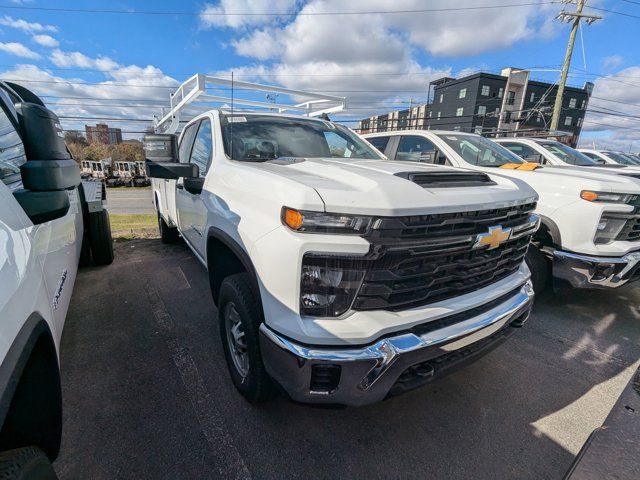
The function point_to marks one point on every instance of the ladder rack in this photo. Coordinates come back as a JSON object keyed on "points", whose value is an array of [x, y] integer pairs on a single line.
{"points": [[193, 93]]}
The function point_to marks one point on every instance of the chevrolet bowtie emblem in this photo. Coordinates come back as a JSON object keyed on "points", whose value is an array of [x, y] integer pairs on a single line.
{"points": [[493, 238]]}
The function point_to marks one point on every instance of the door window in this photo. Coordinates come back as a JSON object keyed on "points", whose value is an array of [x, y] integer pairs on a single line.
{"points": [[379, 142], [11, 150], [187, 142], [203, 147], [415, 149], [523, 151]]}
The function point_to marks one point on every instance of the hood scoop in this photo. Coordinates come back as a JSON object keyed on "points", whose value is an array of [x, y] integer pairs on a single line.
{"points": [[447, 179]]}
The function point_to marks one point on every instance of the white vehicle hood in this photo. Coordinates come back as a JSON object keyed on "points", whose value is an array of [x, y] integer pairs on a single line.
{"points": [[372, 187], [587, 178]]}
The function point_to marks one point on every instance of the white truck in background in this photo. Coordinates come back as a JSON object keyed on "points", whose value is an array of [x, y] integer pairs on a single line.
{"points": [[609, 157], [338, 274], [590, 219], [50, 221]]}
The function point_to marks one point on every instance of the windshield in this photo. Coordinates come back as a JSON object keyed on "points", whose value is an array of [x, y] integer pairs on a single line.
{"points": [[568, 154], [480, 151], [262, 137], [621, 158]]}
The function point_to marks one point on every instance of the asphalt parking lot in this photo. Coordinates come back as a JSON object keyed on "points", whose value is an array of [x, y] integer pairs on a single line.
{"points": [[147, 395]]}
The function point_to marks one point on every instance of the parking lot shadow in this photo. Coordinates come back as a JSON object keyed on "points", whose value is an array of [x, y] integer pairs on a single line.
{"points": [[147, 394]]}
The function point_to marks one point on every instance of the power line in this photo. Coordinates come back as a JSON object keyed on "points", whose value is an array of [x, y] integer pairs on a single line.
{"points": [[624, 14], [273, 14]]}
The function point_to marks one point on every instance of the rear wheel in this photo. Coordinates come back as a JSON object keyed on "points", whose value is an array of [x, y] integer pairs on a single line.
{"points": [[167, 234], [29, 463], [100, 238], [540, 268], [239, 320]]}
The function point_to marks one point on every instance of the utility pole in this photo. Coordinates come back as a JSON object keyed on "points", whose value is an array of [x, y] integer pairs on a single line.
{"points": [[574, 18]]}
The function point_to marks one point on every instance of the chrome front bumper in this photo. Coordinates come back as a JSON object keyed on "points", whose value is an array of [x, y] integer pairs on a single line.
{"points": [[367, 374], [585, 271]]}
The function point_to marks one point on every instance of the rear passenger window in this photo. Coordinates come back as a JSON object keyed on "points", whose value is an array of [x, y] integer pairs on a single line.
{"points": [[11, 150], [415, 149], [379, 142]]}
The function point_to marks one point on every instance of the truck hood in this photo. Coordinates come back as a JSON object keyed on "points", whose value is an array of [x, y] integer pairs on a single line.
{"points": [[585, 178], [373, 187]]}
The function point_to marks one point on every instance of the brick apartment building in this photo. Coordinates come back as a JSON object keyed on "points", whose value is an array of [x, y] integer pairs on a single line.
{"points": [[102, 133]]}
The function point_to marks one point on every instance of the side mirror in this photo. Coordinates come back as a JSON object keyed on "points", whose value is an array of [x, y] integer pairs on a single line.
{"points": [[45, 206], [161, 148], [172, 171], [601, 161], [534, 158]]}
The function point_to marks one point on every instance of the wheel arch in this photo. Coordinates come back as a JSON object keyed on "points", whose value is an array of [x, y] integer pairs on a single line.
{"points": [[549, 229], [226, 257], [30, 392]]}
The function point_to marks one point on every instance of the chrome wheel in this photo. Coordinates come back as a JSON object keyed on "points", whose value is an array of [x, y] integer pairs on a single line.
{"points": [[236, 339]]}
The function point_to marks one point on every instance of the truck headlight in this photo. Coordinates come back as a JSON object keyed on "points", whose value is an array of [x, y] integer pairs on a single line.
{"points": [[328, 291], [608, 229], [321, 222], [610, 197]]}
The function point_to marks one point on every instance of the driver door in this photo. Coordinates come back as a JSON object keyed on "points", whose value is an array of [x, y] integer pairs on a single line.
{"points": [[192, 213]]}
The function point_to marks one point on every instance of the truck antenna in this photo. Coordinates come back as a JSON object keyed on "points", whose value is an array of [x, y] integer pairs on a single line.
{"points": [[231, 128]]}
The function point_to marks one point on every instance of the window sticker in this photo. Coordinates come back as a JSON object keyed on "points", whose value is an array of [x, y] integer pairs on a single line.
{"points": [[237, 119]]}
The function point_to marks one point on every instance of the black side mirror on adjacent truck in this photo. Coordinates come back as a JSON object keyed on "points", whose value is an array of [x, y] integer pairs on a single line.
{"points": [[161, 155]]}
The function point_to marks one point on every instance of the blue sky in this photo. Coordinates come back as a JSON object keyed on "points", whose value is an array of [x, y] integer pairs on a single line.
{"points": [[380, 61]]}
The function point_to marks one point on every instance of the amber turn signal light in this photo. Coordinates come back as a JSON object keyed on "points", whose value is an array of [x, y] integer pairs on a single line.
{"points": [[292, 218]]}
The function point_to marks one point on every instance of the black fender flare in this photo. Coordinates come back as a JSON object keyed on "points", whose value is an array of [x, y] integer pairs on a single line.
{"points": [[240, 253], [554, 231], [13, 367]]}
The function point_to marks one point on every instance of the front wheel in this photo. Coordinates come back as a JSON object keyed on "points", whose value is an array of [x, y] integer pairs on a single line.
{"points": [[239, 321], [540, 269], [29, 463]]}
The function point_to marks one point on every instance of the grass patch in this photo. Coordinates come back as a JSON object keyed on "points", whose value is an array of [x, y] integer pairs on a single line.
{"points": [[127, 222]]}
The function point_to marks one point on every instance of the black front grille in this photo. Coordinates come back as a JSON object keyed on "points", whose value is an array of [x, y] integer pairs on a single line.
{"points": [[631, 230], [417, 260]]}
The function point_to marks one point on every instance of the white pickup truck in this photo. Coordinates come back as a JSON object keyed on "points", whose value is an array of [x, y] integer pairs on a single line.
{"points": [[590, 232], [609, 157], [338, 274], [50, 222]]}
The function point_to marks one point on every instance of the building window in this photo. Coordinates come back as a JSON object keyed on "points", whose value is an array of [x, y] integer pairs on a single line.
{"points": [[459, 112], [463, 93], [567, 121], [456, 128], [497, 111], [485, 91], [441, 97], [539, 118], [482, 110], [511, 97], [478, 130], [583, 104], [439, 115], [532, 97], [500, 92], [430, 113], [579, 122], [573, 102]]}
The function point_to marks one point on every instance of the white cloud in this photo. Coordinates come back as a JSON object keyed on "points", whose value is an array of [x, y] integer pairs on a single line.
{"points": [[612, 61], [46, 40], [77, 59], [260, 11], [28, 27], [19, 50], [613, 118]]}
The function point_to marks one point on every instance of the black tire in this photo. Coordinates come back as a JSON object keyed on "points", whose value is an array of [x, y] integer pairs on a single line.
{"points": [[100, 238], [85, 251], [167, 234], [29, 463], [540, 268], [236, 292]]}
